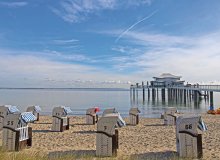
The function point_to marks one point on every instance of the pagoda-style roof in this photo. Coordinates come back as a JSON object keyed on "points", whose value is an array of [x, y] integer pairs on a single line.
{"points": [[167, 75]]}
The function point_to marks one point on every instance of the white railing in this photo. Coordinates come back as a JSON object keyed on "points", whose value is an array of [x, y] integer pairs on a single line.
{"points": [[192, 87], [23, 133]]}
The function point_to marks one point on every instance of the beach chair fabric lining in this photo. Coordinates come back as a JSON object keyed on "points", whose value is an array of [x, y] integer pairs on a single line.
{"points": [[28, 117], [12, 109]]}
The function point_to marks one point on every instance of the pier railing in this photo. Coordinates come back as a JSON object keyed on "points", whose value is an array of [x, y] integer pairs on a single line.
{"points": [[215, 88]]}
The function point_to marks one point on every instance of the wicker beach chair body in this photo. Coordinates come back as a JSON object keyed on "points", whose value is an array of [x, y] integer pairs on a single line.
{"points": [[16, 133], [170, 116], [91, 116], [107, 135], [35, 110], [188, 139], [134, 116], [6, 110], [60, 120]]}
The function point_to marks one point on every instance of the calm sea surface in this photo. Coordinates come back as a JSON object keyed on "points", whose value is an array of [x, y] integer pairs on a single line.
{"points": [[81, 99]]}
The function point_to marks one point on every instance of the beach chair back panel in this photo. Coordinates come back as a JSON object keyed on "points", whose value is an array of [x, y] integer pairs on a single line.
{"points": [[3, 113], [59, 112], [9, 139], [1, 122]]}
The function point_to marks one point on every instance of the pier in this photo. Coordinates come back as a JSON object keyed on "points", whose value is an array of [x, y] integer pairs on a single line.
{"points": [[174, 90]]}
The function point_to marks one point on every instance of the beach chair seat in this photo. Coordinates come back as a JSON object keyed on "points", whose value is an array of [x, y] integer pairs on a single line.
{"points": [[134, 116]]}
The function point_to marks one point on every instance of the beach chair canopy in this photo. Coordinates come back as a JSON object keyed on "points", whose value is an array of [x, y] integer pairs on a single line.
{"points": [[109, 111], [92, 111], [61, 111], [34, 108], [37, 108], [194, 120], [134, 111], [67, 110], [12, 109], [171, 110], [28, 117], [15, 121], [120, 121]]}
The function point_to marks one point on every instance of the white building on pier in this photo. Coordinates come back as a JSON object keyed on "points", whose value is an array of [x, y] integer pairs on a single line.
{"points": [[167, 79]]}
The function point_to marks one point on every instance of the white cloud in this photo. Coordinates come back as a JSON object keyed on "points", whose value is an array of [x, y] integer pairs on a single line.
{"points": [[195, 58], [32, 71], [78, 10], [14, 4]]}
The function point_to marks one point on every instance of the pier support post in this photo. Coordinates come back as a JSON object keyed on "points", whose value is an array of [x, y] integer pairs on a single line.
{"points": [[153, 93], [211, 98], [143, 91], [163, 93]]}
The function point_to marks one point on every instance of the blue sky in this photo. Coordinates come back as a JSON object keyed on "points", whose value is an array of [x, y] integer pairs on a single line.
{"points": [[107, 43]]}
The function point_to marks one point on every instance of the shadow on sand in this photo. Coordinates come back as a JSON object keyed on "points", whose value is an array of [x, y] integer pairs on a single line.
{"points": [[86, 132], [153, 125], [41, 131], [168, 155], [77, 154], [42, 123]]}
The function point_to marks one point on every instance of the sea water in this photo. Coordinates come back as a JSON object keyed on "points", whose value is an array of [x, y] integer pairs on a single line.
{"points": [[81, 99]]}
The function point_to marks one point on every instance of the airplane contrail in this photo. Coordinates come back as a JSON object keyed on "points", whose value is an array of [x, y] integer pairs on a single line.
{"points": [[133, 25]]}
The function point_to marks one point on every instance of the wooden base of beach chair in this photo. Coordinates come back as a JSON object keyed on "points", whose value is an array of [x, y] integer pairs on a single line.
{"points": [[190, 145]]}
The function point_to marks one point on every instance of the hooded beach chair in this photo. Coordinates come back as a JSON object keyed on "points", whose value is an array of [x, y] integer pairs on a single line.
{"points": [[189, 137], [91, 116], [107, 134], [35, 110], [134, 116], [109, 111], [60, 119], [6, 110], [16, 133], [170, 115]]}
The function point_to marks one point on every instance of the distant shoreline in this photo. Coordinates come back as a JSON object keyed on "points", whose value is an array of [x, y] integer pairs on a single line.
{"points": [[92, 89]]}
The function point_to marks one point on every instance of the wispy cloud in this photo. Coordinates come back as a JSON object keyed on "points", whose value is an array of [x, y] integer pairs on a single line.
{"points": [[14, 4], [133, 25], [74, 11], [67, 41]]}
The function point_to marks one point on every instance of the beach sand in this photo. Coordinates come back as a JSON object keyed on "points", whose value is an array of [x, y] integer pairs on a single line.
{"points": [[149, 140]]}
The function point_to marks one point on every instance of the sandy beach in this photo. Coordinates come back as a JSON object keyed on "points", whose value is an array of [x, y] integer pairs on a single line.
{"points": [[149, 140]]}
